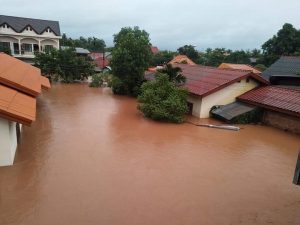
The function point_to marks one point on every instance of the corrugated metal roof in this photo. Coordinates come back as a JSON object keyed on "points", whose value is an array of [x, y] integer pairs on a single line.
{"points": [[202, 80], [286, 65], [275, 98], [19, 75], [232, 110], [18, 24]]}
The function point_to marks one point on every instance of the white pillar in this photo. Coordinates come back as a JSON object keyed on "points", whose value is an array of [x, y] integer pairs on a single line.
{"points": [[19, 46], [8, 142], [11, 45], [40, 46]]}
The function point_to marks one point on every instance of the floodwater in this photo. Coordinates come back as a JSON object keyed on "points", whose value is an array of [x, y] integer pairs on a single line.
{"points": [[91, 158]]}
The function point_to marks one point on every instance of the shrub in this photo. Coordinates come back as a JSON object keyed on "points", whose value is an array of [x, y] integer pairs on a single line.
{"points": [[96, 80], [117, 86], [162, 100]]}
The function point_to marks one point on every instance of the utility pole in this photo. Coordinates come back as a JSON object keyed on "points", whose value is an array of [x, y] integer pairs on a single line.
{"points": [[297, 172]]}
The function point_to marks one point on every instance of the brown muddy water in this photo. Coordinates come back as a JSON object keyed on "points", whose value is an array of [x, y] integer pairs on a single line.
{"points": [[91, 158]]}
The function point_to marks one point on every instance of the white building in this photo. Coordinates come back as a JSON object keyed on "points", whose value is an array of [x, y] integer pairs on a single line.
{"points": [[20, 84], [24, 36]]}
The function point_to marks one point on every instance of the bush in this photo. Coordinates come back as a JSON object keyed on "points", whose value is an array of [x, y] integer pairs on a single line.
{"points": [[96, 80], [162, 100], [117, 86]]}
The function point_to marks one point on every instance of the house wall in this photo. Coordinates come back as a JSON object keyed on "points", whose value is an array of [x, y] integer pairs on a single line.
{"points": [[8, 142], [196, 101], [225, 96], [282, 121]]}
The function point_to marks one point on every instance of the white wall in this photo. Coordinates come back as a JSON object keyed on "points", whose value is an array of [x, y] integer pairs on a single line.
{"points": [[196, 101], [8, 142], [226, 95]]}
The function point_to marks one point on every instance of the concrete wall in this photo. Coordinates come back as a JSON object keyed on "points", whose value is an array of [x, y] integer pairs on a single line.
{"points": [[196, 101], [282, 121], [8, 142], [226, 95]]}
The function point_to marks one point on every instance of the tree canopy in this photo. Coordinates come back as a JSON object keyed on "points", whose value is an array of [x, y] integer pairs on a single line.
{"points": [[189, 51], [130, 58], [64, 64], [174, 74], [162, 58], [162, 100], [93, 44]]}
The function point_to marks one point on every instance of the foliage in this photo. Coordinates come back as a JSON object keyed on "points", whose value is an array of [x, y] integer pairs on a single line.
{"points": [[162, 100], [117, 86], [91, 43], [96, 80], [285, 42], [65, 64], [174, 74], [162, 58], [261, 67], [130, 58], [189, 51]]}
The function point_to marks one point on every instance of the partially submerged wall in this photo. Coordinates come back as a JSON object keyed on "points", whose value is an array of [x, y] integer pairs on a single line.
{"points": [[282, 121], [8, 142]]}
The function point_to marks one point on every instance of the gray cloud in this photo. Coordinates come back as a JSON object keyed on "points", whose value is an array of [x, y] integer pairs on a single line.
{"points": [[217, 23]]}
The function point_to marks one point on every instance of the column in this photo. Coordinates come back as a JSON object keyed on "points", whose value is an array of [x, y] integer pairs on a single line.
{"points": [[19, 46]]}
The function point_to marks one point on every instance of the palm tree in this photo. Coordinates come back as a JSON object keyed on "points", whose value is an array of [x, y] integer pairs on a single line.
{"points": [[174, 74]]}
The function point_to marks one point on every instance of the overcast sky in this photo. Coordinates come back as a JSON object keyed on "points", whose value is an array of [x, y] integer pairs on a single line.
{"points": [[235, 24]]}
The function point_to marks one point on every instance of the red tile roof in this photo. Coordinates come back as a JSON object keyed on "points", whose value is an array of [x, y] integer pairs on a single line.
{"points": [[275, 98], [45, 83], [202, 80], [19, 75], [239, 67], [179, 59], [16, 106]]}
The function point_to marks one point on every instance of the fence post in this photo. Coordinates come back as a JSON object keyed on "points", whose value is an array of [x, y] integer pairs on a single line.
{"points": [[297, 172]]}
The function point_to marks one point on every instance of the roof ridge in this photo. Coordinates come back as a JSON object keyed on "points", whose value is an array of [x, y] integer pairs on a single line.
{"points": [[19, 17]]}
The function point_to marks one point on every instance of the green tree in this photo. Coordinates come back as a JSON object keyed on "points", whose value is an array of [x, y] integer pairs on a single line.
{"points": [[189, 51], [285, 42], [65, 64], [130, 58], [162, 58], [174, 73], [162, 100]]}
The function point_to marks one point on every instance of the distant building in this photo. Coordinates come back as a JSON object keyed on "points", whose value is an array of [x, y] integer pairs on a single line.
{"points": [[181, 59], [79, 51], [101, 61], [239, 67], [154, 50], [20, 84], [287, 66], [25, 36]]}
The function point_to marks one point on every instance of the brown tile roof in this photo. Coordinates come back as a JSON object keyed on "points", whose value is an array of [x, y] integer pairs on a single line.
{"points": [[19, 75], [45, 83], [203, 80], [179, 59], [16, 106], [239, 67], [275, 98]]}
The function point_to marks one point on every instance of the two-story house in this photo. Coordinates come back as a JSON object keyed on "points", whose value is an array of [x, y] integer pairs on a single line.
{"points": [[25, 36]]}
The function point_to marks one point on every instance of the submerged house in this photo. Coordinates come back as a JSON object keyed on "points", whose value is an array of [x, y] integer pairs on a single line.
{"points": [[239, 67], [209, 86], [20, 84], [281, 106], [25, 36]]}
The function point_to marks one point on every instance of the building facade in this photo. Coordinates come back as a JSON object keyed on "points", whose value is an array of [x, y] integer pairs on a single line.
{"points": [[24, 36]]}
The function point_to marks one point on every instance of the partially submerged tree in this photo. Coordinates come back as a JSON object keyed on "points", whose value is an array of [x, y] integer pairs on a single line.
{"points": [[130, 58], [162, 100], [162, 58], [64, 64]]}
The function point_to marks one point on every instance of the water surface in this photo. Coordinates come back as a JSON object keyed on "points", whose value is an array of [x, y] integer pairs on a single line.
{"points": [[91, 158]]}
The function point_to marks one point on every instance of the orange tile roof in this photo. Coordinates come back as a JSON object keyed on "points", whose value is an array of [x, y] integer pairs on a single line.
{"points": [[16, 106], [45, 83], [239, 67], [19, 75], [181, 58]]}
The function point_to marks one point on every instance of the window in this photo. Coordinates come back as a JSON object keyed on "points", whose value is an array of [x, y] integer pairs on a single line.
{"points": [[48, 48], [5, 47], [27, 47]]}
